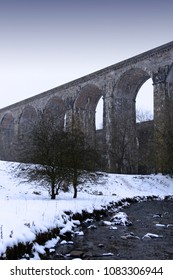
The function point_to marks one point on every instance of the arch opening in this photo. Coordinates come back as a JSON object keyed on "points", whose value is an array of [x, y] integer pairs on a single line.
{"points": [[145, 102], [65, 122], [85, 108], [7, 136], [99, 114]]}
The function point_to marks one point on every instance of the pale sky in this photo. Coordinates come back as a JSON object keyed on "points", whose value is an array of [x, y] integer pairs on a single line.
{"points": [[44, 44]]}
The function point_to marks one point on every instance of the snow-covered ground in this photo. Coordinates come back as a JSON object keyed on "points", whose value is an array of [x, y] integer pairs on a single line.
{"points": [[26, 208]]}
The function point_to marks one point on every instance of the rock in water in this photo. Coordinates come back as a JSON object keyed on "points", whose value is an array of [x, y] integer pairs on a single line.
{"points": [[121, 218]]}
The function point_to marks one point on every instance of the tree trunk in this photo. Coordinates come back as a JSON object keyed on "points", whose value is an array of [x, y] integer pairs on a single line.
{"points": [[53, 196], [75, 185], [75, 191], [75, 176], [53, 193]]}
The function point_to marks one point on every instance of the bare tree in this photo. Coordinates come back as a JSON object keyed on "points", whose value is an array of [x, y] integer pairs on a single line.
{"points": [[47, 139], [58, 156], [81, 158]]}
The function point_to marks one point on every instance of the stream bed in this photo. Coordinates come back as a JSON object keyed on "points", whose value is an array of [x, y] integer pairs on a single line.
{"points": [[142, 231]]}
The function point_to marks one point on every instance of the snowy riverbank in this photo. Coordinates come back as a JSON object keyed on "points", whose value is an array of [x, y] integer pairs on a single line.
{"points": [[26, 209]]}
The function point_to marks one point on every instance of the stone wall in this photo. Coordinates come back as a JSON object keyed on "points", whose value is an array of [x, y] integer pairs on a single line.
{"points": [[76, 102]]}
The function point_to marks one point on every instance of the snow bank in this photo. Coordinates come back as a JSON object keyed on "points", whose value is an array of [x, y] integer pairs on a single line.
{"points": [[24, 213]]}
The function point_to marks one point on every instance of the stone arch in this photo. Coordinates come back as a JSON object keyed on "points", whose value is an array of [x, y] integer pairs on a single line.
{"points": [[89, 97], [7, 121], [130, 82], [124, 136], [56, 109], [7, 135], [85, 107], [27, 119], [127, 88]]}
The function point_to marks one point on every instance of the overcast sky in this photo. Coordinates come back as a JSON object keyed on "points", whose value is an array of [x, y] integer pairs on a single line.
{"points": [[44, 44]]}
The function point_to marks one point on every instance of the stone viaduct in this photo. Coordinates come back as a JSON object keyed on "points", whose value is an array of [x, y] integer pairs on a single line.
{"points": [[118, 85]]}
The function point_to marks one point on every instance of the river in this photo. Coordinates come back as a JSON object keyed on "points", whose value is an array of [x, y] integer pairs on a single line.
{"points": [[148, 234]]}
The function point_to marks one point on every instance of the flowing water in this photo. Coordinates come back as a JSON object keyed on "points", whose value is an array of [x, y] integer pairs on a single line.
{"points": [[148, 236]]}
